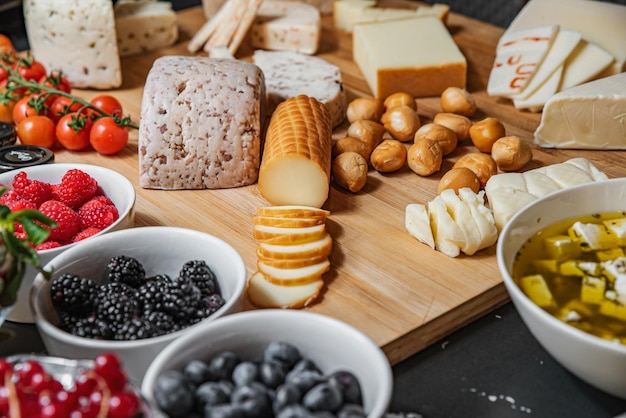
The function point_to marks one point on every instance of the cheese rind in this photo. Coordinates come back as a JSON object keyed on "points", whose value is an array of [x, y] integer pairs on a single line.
{"points": [[286, 26], [144, 25], [76, 37], [589, 116], [425, 66]]}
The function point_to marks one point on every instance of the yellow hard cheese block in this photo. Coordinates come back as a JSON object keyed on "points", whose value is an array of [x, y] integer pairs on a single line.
{"points": [[416, 55]]}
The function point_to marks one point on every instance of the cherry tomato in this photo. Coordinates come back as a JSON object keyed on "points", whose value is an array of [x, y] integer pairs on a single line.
{"points": [[108, 104], [37, 130], [107, 137], [56, 80], [61, 106], [72, 131], [32, 70], [6, 111], [23, 108], [6, 45]]}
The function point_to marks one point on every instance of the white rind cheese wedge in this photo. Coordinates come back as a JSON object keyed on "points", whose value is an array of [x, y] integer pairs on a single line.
{"points": [[282, 25], [264, 294], [76, 37], [589, 116], [417, 222]]}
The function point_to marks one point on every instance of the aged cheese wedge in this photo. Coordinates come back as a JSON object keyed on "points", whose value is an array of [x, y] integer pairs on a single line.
{"points": [[287, 222], [321, 247], [264, 294], [295, 167], [292, 211], [421, 68], [417, 222], [293, 276], [287, 236], [589, 116]]}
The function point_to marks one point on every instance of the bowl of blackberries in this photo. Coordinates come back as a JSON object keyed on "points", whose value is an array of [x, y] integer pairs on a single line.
{"points": [[271, 363], [133, 291]]}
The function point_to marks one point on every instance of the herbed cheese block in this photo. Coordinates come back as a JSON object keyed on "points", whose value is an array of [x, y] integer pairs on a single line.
{"points": [[289, 74], [201, 123], [144, 25], [589, 116], [425, 64], [286, 26], [76, 37]]}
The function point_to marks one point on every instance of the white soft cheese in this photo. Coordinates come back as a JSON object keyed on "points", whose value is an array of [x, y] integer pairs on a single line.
{"points": [[76, 37]]}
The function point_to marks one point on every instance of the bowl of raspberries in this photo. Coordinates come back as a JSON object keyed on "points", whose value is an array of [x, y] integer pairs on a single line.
{"points": [[133, 291], [272, 363], [85, 200]]}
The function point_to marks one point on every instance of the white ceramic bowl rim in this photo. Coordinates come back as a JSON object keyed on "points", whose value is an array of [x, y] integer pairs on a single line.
{"points": [[512, 287], [61, 259]]}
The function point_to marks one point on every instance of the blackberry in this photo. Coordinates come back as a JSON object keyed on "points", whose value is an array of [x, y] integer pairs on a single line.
{"points": [[201, 275], [128, 270], [116, 309], [182, 299], [72, 293], [163, 322], [136, 329], [210, 304], [91, 327], [115, 288], [151, 294]]}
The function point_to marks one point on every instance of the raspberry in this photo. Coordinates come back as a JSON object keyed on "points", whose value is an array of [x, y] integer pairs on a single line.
{"points": [[99, 216], [86, 233], [95, 201], [19, 204], [48, 245], [76, 188], [68, 221], [33, 190]]}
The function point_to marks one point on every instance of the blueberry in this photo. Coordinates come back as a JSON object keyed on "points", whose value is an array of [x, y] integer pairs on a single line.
{"points": [[222, 364], [349, 386], [351, 410], [305, 380], [323, 397], [305, 364], [245, 372], [197, 372], [210, 394], [272, 373], [224, 411], [323, 414], [227, 386], [253, 399], [294, 411], [282, 351], [174, 394], [286, 394]]}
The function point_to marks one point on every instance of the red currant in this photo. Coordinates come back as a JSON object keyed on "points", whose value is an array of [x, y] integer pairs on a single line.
{"points": [[124, 405], [27, 369]]}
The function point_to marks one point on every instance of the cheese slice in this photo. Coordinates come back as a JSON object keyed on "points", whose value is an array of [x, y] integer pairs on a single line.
{"points": [[264, 294], [548, 88], [144, 25], [283, 25], [347, 12], [589, 116], [76, 37], [585, 63], [601, 23], [424, 66], [519, 55]]}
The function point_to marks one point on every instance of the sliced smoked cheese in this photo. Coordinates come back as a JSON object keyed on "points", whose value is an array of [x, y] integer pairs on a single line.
{"points": [[76, 37], [201, 122], [264, 294], [287, 222], [295, 167], [289, 74], [288, 236], [426, 63], [292, 211], [320, 247], [283, 25], [293, 276]]}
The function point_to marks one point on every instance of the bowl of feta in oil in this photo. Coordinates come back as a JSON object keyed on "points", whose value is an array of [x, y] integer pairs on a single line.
{"points": [[563, 262]]}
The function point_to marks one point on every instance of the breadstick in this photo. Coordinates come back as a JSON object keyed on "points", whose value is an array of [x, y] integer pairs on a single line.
{"points": [[244, 25], [228, 26], [207, 30]]}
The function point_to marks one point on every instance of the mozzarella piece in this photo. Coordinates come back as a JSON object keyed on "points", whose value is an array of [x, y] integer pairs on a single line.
{"points": [[539, 184], [513, 180], [76, 37], [482, 215], [506, 202], [588, 167], [448, 236], [417, 222], [462, 216], [519, 54], [589, 116], [144, 25], [286, 26]]}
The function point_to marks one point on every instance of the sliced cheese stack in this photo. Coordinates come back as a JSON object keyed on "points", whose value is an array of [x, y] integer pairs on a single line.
{"points": [[295, 166], [293, 252], [588, 43], [508, 193], [425, 65], [453, 223]]}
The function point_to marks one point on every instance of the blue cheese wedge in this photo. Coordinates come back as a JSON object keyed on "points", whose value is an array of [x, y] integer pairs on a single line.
{"points": [[144, 25], [76, 37]]}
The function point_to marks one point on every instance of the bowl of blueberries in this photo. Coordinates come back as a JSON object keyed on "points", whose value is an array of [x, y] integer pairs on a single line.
{"points": [[133, 291], [271, 363]]}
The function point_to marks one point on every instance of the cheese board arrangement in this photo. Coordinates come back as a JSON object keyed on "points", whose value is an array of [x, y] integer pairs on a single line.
{"points": [[404, 293]]}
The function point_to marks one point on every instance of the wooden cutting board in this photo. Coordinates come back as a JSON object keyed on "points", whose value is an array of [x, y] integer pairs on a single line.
{"points": [[398, 291]]}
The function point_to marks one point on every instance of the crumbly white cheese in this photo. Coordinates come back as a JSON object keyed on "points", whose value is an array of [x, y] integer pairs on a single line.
{"points": [[201, 123], [144, 25], [76, 37], [289, 74]]}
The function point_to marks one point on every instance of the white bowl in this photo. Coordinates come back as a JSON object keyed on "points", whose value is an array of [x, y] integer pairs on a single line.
{"points": [[117, 187], [161, 250], [330, 343], [597, 361]]}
